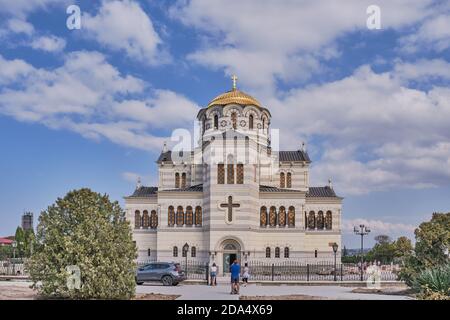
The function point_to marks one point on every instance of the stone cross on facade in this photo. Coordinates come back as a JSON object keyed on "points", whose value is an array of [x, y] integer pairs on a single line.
{"points": [[230, 205]]}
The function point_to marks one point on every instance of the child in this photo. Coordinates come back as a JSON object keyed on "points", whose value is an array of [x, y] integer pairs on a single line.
{"points": [[246, 275]]}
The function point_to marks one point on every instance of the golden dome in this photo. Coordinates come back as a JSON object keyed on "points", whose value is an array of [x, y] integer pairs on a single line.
{"points": [[234, 96]]}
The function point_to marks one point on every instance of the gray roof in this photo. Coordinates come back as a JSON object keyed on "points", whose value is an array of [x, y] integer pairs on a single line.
{"points": [[196, 188], [284, 156], [144, 192], [275, 189], [289, 156], [321, 192]]}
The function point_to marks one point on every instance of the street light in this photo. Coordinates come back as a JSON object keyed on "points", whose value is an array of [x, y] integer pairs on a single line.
{"points": [[335, 249], [185, 252], [361, 231]]}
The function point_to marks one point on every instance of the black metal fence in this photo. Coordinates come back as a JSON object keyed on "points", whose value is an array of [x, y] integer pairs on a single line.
{"points": [[298, 271]]}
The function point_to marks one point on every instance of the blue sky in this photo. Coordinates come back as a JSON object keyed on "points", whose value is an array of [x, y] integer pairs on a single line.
{"points": [[92, 107]]}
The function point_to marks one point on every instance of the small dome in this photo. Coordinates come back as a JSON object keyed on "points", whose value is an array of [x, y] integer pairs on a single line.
{"points": [[234, 96]]}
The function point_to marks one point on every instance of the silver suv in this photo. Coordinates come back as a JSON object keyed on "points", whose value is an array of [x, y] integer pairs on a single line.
{"points": [[169, 273]]}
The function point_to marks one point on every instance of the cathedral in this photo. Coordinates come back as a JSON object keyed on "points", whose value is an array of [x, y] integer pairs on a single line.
{"points": [[234, 196]]}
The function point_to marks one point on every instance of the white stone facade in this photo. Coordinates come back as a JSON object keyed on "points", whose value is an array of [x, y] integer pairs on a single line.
{"points": [[235, 162]]}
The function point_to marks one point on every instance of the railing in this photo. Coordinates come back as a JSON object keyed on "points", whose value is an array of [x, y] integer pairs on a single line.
{"points": [[12, 267], [298, 271]]}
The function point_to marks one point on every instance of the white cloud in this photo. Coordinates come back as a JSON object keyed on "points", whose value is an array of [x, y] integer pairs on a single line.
{"points": [[434, 34], [265, 41], [133, 177], [20, 26], [378, 227], [49, 43], [423, 70], [21, 8], [375, 132], [123, 25], [79, 96]]}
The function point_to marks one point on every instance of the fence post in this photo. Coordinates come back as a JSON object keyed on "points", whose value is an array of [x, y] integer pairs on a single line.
{"points": [[307, 272], [341, 272], [207, 273], [273, 267]]}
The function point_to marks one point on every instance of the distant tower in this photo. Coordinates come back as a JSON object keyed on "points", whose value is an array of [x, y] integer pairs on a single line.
{"points": [[27, 221]]}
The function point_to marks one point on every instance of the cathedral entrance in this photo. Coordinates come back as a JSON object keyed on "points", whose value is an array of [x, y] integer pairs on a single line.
{"points": [[231, 251]]}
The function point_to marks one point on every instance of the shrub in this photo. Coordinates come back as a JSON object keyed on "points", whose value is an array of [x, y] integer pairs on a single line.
{"points": [[434, 283]]}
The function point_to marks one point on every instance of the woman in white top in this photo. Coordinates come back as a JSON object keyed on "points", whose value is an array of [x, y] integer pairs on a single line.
{"points": [[213, 274], [246, 275]]}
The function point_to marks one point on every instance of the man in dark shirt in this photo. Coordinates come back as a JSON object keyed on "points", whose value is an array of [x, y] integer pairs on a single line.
{"points": [[235, 273]]}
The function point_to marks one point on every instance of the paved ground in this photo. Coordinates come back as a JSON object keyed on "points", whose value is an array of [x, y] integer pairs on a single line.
{"points": [[222, 291], [20, 290]]}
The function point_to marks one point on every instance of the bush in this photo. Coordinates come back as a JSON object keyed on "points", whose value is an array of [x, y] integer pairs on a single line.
{"points": [[433, 284], [86, 230]]}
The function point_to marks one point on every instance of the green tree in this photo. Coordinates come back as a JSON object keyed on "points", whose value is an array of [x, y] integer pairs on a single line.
{"points": [[403, 248], [19, 238], [432, 241], [383, 250], [86, 230]]}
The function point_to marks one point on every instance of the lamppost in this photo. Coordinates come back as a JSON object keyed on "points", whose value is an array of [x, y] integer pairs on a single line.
{"points": [[362, 230], [335, 249], [185, 252]]}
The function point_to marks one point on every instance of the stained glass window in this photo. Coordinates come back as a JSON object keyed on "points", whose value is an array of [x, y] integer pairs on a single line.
{"points": [[291, 216], [311, 220], [180, 216], [263, 217], [240, 173], [282, 217], [171, 216], [220, 173], [282, 181], [289, 180], [189, 216], [183, 180], [153, 220], [177, 180], [320, 222], [145, 220], [198, 216], [273, 216], [137, 219], [329, 221], [230, 174]]}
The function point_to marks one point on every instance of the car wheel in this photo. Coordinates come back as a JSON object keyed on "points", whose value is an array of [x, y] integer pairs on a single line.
{"points": [[139, 283], [167, 280], [175, 284]]}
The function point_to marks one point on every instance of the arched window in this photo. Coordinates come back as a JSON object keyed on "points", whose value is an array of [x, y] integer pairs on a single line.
{"points": [[198, 216], [177, 180], [263, 217], [193, 252], [289, 180], [320, 220], [137, 219], [145, 220], [286, 252], [282, 180], [216, 122], [291, 217], [329, 221], [268, 252], [234, 119], [273, 216], [311, 220], [183, 180], [171, 216], [240, 173], [180, 216], [153, 220], [277, 252], [250, 122], [149, 252], [315, 253], [220, 173], [282, 217], [175, 251], [189, 216]]}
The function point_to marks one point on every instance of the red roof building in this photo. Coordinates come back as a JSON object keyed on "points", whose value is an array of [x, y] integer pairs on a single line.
{"points": [[5, 242]]}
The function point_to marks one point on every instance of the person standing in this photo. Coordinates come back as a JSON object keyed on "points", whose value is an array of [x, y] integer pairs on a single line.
{"points": [[246, 275], [235, 273], [213, 274]]}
